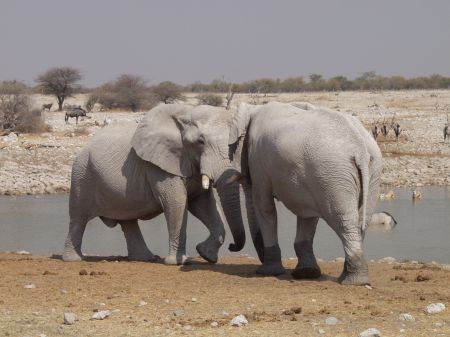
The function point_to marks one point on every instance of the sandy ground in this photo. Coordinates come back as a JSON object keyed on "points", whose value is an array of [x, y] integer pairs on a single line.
{"points": [[157, 300], [35, 164]]}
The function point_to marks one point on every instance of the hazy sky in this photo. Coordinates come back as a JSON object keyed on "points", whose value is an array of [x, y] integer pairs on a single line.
{"points": [[201, 40]]}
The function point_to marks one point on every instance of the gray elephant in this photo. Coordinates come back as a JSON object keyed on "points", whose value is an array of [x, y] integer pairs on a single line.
{"points": [[383, 221], [164, 164], [320, 164]]}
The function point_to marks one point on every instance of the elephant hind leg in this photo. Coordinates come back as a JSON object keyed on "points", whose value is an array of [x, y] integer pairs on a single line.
{"points": [[72, 247], [307, 267], [137, 249], [355, 271]]}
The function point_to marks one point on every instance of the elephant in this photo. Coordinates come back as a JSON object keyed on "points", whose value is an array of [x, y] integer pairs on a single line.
{"points": [[320, 164], [383, 221], [163, 164]]}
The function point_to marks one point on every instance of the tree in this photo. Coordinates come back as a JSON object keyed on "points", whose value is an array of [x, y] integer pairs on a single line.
{"points": [[168, 92], [60, 82]]}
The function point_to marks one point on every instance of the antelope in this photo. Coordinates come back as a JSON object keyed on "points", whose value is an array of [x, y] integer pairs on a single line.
{"points": [[446, 130], [397, 131], [47, 106], [375, 131]]}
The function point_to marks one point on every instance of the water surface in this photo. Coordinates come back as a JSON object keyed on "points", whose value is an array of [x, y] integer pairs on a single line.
{"points": [[40, 224]]}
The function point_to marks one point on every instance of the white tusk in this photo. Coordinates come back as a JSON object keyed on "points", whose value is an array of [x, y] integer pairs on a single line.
{"points": [[205, 182]]}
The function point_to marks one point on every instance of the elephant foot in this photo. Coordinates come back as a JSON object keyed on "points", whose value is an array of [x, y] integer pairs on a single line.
{"points": [[272, 262], [271, 269], [70, 255], [360, 278], [173, 260], [144, 257], [209, 250], [306, 273]]}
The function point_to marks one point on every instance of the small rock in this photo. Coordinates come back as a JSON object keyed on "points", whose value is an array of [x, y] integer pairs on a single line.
{"points": [[387, 259], [331, 320], [193, 299], [63, 291], [178, 312], [22, 252], [42, 335], [438, 324], [226, 314], [83, 272], [435, 308], [69, 318], [371, 332], [239, 321], [187, 327], [214, 324], [142, 303], [368, 287], [406, 317], [102, 314], [297, 310], [29, 286], [321, 331]]}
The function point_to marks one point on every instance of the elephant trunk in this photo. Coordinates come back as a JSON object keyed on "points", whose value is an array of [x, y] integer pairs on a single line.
{"points": [[230, 200]]}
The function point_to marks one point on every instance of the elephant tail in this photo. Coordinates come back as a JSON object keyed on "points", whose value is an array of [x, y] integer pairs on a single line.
{"points": [[362, 162]]}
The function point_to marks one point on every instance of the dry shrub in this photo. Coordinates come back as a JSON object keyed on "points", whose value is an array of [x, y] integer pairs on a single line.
{"points": [[210, 99], [32, 122]]}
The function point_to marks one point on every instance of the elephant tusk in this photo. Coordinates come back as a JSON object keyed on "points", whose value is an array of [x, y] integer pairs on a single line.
{"points": [[205, 182]]}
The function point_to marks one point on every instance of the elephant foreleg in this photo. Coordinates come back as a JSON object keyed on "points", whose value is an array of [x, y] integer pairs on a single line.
{"points": [[173, 198], [72, 247], [266, 214], [137, 249], [206, 208], [307, 266]]}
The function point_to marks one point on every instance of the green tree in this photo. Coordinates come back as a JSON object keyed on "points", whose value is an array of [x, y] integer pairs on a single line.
{"points": [[168, 92]]}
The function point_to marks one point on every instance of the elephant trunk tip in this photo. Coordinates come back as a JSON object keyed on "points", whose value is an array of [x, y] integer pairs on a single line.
{"points": [[233, 247]]}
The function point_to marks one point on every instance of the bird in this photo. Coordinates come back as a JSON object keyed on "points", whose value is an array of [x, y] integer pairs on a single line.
{"points": [[416, 195]]}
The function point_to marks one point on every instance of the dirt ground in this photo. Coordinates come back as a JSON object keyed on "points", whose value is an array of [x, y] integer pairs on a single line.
{"points": [[201, 299]]}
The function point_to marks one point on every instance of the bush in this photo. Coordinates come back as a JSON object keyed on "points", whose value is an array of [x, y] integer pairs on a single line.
{"points": [[15, 109], [168, 92], [31, 121], [90, 103], [126, 92], [210, 99]]}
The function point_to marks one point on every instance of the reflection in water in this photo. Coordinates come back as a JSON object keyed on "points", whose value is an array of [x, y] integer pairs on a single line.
{"points": [[40, 224]]}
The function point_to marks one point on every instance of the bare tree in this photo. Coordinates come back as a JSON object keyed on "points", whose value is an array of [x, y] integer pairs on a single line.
{"points": [[60, 82], [230, 95]]}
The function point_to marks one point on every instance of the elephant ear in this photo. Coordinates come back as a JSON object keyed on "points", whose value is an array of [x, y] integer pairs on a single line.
{"points": [[237, 141], [240, 122], [158, 140]]}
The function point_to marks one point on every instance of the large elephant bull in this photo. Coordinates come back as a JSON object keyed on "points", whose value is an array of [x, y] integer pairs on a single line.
{"points": [[320, 164], [164, 164]]}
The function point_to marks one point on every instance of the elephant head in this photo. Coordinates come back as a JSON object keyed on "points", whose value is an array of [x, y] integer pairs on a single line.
{"points": [[192, 142]]}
